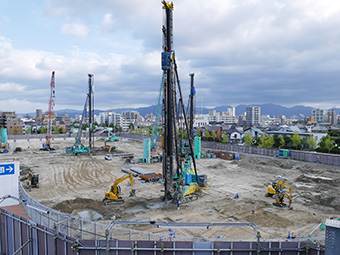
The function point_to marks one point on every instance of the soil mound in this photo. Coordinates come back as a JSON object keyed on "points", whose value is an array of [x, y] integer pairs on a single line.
{"points": [[68, 206]]}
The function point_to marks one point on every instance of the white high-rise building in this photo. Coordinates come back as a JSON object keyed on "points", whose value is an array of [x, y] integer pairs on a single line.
{"points": [[320, 115], [253, 116]]}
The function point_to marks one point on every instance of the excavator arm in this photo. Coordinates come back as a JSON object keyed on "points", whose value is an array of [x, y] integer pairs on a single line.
{"points": [[277, 189], [121, 179], [112, 196]]}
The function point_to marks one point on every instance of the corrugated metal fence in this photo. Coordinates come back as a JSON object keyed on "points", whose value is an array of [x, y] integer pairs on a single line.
{"points": [[309, 156]]}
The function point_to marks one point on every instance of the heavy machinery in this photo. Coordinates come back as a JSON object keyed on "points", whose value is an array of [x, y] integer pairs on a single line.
{"points": [[3, 142], [112, 137], [178, 166], [78, 147], [278, 190], [32, 180], [50, 114], [113, 196]]}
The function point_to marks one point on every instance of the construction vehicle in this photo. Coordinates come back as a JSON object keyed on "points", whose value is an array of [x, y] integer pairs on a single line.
{"points": [[181, 180], [78, 147], [278, 190], [50, 115], [32, 180], [112, 138], [113, 196], [3, 142]]}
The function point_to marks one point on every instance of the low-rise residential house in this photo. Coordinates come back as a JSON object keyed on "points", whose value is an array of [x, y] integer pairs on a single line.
{"points": [[210, 129], [234, 134], [254, 132], [304, 133]]}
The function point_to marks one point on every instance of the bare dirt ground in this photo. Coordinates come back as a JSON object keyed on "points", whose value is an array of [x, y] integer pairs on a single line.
{"points": [[71, 183]]}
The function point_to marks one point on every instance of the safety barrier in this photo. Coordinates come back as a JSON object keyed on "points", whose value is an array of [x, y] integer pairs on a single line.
{"points": [[22, 236]]}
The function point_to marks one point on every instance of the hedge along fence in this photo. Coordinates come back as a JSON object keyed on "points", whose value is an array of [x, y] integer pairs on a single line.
{"points": [[309, 156]]}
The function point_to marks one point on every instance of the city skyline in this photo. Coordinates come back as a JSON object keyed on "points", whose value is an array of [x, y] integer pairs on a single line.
{"points": [[249, 52]]}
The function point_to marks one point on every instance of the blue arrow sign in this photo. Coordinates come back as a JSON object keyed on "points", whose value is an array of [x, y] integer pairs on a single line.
{"points": [[6, 169]]}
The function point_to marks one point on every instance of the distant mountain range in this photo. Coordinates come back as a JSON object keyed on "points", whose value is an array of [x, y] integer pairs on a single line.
{"points": [[266, 109]]}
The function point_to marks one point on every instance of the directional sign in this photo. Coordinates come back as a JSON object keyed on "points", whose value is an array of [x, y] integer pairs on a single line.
{"points": [[6, 169]]}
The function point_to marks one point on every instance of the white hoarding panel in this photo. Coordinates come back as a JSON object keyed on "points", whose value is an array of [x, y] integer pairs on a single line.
{"points": [[9, 182]]}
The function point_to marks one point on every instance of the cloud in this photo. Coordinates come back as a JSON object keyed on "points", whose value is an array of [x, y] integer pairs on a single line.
{"points": [[11, 87], [76, 28], [108, 22], [250, 51]]}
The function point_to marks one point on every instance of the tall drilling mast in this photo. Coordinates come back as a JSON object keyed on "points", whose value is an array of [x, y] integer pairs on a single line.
{"points": [[174, 186], [168, 70], [91, 111], [192, 94], [50, 112]]}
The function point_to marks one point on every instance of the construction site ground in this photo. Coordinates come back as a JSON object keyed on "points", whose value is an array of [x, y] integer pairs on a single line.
{"points": [[72, 184]]}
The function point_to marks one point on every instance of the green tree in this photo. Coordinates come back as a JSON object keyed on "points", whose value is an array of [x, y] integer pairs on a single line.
{"points": [[304, 143], [282, 142], [312, 142], [131, 127], [213, 135], [16, 131], [329, 143], [106, 123], [276, 141], [263, 139], [225, 138], [111, 125], [43, 130], [198, 133], [296, 139], [206, 134], [28, 130], [63, 130], [248, 139], [269, 142], [55, 129]]}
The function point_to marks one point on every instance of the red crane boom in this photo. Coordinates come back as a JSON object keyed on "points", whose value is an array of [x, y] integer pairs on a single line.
{"points": [[50, 113]]}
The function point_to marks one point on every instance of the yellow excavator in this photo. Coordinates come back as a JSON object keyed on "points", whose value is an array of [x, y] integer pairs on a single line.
{"points": [[278, 190], [32, 180], [113, 196]]}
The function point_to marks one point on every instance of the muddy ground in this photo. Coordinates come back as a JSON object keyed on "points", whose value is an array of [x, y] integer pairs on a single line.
{"points": [[71, 184]]}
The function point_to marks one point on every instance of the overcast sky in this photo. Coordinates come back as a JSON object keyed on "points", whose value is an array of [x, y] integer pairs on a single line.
{"points": [[285, 52]]}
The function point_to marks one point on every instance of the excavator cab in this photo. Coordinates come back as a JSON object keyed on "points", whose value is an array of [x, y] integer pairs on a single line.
{"points": [[33, 180], [271, 189]]}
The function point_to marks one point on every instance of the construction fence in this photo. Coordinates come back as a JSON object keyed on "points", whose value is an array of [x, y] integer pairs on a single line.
{"points": [[308, 156], [22, 236]]}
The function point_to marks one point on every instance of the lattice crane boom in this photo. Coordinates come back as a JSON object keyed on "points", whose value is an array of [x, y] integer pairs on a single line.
{"points": [[50, 112]]}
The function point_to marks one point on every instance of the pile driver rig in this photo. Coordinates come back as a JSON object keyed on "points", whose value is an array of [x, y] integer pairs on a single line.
{"points": [[181, 181], [78, 146]]}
